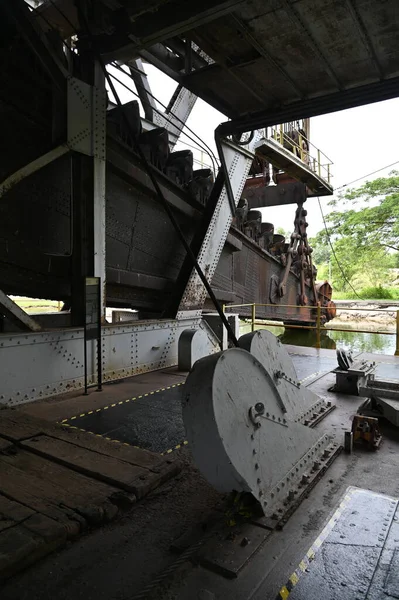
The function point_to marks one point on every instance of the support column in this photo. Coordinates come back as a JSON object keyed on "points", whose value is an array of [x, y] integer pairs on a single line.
{"points": [[99, 135], [87, 140]]}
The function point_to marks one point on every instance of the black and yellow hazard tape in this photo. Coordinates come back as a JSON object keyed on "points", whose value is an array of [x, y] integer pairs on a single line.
{"points": [[164, 453], [115, 404], [177, 447], [98, 435], [303, 566]]}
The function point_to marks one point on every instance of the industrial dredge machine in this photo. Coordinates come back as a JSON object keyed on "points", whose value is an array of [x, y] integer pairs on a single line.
{"points": [[68, 142]]}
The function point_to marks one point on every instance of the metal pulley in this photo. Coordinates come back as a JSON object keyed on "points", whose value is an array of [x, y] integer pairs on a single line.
{"points": [[242, 410], [300, 403]]}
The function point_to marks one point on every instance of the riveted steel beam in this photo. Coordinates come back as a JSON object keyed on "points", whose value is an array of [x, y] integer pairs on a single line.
{"points": [[15, 313], [312, 107]]}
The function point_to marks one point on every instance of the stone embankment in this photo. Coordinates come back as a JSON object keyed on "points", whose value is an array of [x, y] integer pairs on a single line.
{"points": [[368, 314]]}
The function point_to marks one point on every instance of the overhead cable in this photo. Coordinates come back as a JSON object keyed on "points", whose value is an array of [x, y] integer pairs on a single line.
{"points": [[335, 256], [364, 176]]}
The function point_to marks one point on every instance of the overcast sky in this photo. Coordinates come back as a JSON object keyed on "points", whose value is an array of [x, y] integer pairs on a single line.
{"points": [[358, 141]]}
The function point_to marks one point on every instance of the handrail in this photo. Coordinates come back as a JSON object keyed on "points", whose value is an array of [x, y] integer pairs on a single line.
{"points": [[314, 163], [319, 326]]}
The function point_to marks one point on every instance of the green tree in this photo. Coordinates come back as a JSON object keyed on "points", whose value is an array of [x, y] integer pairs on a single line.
{"points": [[364, 234], [377, 225], [282, 231]]}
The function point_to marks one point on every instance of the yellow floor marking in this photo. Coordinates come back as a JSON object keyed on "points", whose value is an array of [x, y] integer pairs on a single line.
{"points": [[284, 593]]}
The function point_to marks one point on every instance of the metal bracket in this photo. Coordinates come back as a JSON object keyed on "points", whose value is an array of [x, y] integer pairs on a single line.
{"points": [[86, 118]]}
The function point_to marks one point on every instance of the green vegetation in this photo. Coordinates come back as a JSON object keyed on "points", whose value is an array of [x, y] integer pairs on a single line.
{"points": [[365, 238], [34, 305], [369, 293]]}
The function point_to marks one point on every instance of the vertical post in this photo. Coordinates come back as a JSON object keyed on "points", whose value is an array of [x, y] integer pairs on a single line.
{"points": [[85, 359], [99, 135], [281, 135], [318, 161], [397, 333], [318, 325], [87, 140], [253, 317], [99, 341], [328, 172], [300, 146]]}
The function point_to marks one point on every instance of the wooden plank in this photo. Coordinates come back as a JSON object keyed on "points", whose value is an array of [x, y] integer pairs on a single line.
{"points": [[107, 468], [134, 470], [5, 523], [61, 484], [16, 426], [46, 528], [128, 454], [26, 489], [20, 547], [14, 511], [5, 445]]}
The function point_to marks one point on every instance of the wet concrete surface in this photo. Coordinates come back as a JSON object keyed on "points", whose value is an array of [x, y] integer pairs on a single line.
{"points": [[347, 557], [117, 561], [152, 421]]}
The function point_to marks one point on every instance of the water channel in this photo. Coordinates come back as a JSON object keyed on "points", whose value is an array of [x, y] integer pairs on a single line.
{"points": [[377, 343]]}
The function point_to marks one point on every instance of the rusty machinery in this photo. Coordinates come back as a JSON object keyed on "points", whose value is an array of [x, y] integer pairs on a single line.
{"points": [[358, 377], [295, 256], [365, 431]]}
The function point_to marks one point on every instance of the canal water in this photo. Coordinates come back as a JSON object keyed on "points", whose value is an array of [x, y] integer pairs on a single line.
{"points": [[347, 340]]}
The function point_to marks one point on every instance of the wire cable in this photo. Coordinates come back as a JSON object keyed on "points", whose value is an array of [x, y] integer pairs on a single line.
{"points": [[168, 120], [368, 175], [335, 256]]}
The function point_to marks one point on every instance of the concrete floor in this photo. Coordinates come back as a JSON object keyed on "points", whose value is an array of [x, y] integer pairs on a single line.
{"points": [[119, 560]]}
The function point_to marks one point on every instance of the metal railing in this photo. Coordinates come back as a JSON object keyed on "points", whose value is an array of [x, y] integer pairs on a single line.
{"points": [[312, 156], [318, 327]]}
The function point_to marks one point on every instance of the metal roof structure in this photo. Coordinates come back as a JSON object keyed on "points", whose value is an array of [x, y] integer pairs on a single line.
{"points": [[257, 61]]}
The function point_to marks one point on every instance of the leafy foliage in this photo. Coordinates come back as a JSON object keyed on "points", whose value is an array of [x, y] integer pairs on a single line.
{"points": [[365, 236]]}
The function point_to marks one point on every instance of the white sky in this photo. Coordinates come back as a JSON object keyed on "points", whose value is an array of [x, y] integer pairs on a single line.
{"points": [[358, 141]]}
